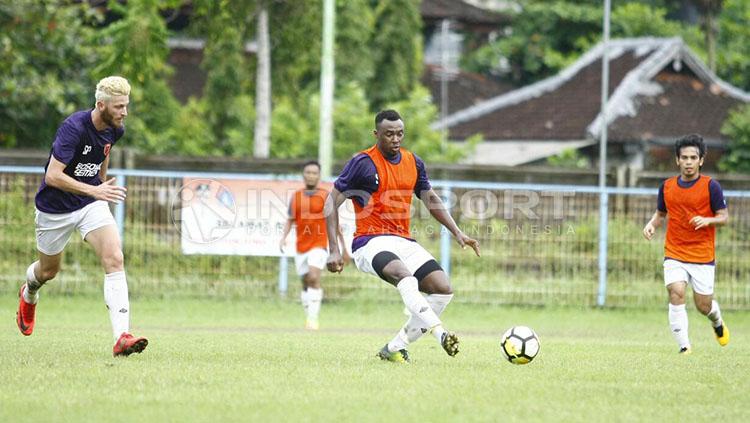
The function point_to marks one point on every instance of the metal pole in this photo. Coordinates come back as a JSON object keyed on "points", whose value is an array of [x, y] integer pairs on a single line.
{"points": [[283, 276], [121, 180], [603, 196], [445, 237], [444, 28], [325, 147], [262, 144]]}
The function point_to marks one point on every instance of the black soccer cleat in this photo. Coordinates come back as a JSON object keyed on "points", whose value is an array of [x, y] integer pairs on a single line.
{"points": [[449, 342]]}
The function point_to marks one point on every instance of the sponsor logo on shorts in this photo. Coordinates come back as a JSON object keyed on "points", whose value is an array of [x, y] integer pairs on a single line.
{"points": [[87, 169]]}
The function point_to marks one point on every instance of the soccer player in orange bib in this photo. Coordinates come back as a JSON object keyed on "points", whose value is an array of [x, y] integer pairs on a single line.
{"points": [[306, 214], [381, 182], [695, 205]]}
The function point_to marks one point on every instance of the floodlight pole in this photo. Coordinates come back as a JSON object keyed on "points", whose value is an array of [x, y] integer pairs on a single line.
{"points": [[444, 28], [262, 140], [325, 146], [603, 196]]}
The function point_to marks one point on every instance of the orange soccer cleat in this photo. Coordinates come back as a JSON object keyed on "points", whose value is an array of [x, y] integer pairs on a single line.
{"points": [[128, 344], [25, 314]]}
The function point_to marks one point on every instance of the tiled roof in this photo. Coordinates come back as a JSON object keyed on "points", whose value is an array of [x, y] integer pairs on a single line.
{"points": [[686, 105], [645, 92], [459, 11], [464, 88], [562, 114]]}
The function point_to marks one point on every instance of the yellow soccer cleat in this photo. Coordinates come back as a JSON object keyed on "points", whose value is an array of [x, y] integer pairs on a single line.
{"points": [[722, 334], [685, 351], [312, 324], [400, 356]]}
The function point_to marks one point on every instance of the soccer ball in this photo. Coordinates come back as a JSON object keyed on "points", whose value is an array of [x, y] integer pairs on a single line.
{"points": [[519, 345]]}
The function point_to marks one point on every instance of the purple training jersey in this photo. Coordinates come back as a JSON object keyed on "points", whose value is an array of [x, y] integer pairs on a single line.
{"points": [[359, 180], [82, 149]]}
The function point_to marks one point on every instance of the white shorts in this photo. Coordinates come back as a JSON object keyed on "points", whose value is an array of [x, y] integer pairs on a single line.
{"points": [[316, 257], [700, 276], [53, 230], [409, 252]]}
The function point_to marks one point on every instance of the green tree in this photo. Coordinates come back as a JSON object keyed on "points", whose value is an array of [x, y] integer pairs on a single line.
{"points": [[737, 128], [296, 49], [190, 134], [547, 36], [226, 79], [295, 129], [641, 20], [418, 113], [242, 111], [354, 28], [709, 10], [136, 48], [733, 52], [295, 31], [353, 121], [45, 55], [397, 51]]}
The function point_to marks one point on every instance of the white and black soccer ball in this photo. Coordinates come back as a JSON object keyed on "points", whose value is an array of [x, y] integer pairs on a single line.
{"points": [[519, 345]]}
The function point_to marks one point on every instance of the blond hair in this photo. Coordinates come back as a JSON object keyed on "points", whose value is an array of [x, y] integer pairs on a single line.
{"points": [[111, 86]]}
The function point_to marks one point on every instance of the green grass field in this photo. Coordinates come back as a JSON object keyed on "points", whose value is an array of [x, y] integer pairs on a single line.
{"points": [[213, 360]]}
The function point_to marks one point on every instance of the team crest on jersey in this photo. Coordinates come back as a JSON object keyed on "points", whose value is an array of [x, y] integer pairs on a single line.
{"points": [[106, 149], [86, 149]]}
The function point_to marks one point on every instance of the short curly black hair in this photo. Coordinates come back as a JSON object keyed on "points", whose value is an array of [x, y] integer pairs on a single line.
{"points": [[389, 114], [692, 140]]}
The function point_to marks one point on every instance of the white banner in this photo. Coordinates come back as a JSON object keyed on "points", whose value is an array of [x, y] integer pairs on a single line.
{"points": [[241, 217]]}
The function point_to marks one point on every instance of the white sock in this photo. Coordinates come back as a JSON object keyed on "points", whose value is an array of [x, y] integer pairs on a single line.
{"points": [[678, 324], [408, 287], [304, 298], [416, 327], [116, 298], [315, 297], [715, 315], [399, 342], [30, 294]]}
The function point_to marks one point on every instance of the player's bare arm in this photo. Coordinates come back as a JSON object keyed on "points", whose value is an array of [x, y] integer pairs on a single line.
{"points": [[720, 219], [106, 191], [656, 220], [333, 202], [342, 246], [287, 229], [103, 169], [437, 209]]}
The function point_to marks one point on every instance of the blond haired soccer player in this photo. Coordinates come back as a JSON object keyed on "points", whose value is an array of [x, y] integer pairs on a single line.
{"points": [[381, 182], [306, 214], [74, 196], [695, 205]]}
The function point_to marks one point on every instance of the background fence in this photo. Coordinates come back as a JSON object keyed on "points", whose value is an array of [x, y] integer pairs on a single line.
{"points": [[539, 246]]}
